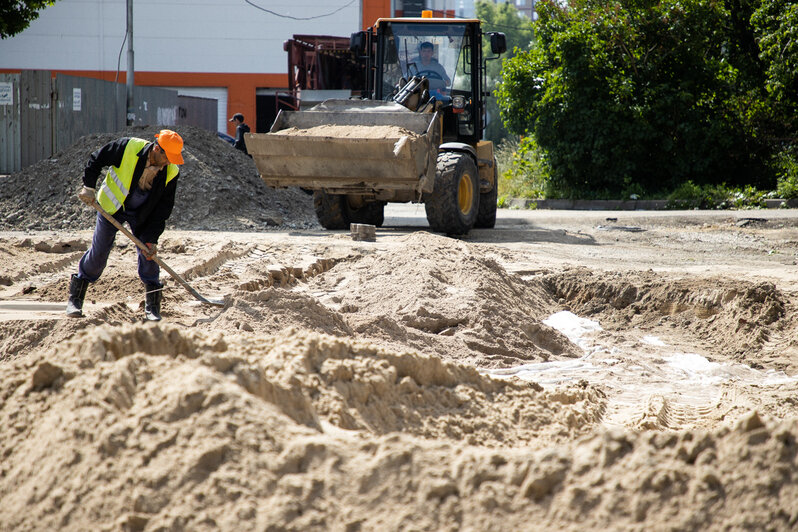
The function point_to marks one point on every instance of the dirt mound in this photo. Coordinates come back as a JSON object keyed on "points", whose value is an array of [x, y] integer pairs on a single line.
{"points": [[272, 310], [154, 427], [157, 426], [239, 417], [444, 296], [219, 189], [21, 338], [431, 294], [51, 254], [737, 318], [351, 131]]}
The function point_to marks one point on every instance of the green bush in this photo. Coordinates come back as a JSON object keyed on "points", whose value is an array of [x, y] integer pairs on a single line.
{"points": [[787, 187], [688, 195], [787, 165], [521, 174]]}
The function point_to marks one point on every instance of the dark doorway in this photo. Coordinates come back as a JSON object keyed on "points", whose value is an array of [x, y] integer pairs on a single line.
{"points": [[266, 109]]}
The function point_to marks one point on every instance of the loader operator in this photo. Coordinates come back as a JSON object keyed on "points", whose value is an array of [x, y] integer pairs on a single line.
{"points": [[139, 189], [429, 67]]}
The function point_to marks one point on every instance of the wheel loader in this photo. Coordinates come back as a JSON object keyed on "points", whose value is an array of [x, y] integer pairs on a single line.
{"points": [[415, 137]]}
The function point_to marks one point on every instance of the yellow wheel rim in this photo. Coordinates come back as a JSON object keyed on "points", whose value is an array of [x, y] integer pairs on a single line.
{"points": [[465, 193]]}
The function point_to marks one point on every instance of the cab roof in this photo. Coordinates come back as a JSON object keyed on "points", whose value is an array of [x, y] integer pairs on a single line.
{"points": [[429, 20]]}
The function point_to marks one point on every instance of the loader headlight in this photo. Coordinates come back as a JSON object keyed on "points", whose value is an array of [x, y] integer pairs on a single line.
{"points": [[458, 102]]}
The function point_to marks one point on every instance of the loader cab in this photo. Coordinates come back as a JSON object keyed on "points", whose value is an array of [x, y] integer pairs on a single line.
{"points": [[448, 53]]}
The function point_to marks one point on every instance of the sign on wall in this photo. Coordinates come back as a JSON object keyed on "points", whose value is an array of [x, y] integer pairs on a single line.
{"points": [[6, 93]]}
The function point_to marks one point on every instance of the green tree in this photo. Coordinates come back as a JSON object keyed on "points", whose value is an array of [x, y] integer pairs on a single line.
{"points": [[775, 25], [636, 96], [17, 15], [517, 28]]}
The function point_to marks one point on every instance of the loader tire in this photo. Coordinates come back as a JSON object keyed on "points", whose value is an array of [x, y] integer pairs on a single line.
{"points": [[454, 202], [486, 215], [330, 210], [372, 213]]}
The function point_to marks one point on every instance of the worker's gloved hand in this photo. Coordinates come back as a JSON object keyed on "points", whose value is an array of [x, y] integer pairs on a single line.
{"points": [[86, 195], [153, 249]]}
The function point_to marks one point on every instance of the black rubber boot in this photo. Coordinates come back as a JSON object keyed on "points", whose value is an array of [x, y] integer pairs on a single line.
{"points": [[152, 305], [77, 291]]}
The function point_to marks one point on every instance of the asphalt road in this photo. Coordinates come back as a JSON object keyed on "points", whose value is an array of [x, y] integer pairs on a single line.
{"points": [[413, 215]]}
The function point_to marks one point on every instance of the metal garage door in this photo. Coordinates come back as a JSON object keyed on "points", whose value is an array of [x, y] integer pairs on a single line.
{"points": [[219, 93]]}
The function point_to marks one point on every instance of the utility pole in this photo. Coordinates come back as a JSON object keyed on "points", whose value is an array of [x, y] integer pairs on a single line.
{"points": [[131, 112]]}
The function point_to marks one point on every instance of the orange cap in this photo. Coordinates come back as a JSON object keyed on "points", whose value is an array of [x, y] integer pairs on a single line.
{"points": [[172, 144]]}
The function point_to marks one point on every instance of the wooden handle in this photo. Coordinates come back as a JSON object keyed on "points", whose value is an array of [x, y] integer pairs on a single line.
{"points": [[157, 259]]}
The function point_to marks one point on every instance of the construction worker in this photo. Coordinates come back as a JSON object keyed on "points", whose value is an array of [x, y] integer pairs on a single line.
{"points": [[139, 188], [241, 128]]}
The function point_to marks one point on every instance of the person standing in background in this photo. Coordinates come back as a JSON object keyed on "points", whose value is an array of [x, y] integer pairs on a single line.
{"points": [[241, 128]]}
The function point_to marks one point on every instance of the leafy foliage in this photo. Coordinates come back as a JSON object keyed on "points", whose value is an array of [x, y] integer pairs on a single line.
{"points": [[518, 31], [787, 162], [644, 95], [17, 15], [787, 187], [519, 169], [776, 26], [691, 196]]}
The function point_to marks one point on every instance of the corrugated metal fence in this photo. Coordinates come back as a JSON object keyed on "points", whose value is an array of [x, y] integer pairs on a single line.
{"points": [[41, 115], [9, 123]]}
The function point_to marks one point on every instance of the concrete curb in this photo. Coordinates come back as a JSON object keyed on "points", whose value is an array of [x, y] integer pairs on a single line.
{"points": [[617, 205]]}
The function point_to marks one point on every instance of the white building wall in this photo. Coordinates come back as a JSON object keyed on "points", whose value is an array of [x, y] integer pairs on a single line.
{"points": [[173, 35], [461, 8]]}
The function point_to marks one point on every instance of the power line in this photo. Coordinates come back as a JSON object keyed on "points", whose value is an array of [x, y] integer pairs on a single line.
{"points": [[494, 25], [119, 58], [501, 26], [299, 18]]}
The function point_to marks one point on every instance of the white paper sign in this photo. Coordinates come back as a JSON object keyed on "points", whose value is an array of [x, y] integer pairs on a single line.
{"points": [[76, 99], [6, 93]]}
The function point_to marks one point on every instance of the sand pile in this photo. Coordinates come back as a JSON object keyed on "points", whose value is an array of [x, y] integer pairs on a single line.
{"points": [[219, 189], [272, 310], [160, 428], [430, 293], [16, 256], [20, 338], [447, 297], [733, 317], [350, 131]]}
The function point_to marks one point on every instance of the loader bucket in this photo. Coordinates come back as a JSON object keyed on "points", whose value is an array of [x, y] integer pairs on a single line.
{"points": [[349, 146]]}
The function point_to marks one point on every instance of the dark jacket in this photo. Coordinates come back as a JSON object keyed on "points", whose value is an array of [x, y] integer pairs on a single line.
{"points": [[240, 144], [152, 215]]}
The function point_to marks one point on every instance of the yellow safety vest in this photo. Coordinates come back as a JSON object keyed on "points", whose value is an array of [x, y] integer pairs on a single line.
{"points": [[116, 185]]}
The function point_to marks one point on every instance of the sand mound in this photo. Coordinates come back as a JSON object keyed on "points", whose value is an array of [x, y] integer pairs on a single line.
{"points": [[154, 428], [734, 317], [219, 189], [271, 310], [160, 427], [447, 297], [431, 294], [21, 338], [16, 256], [350, 131]]}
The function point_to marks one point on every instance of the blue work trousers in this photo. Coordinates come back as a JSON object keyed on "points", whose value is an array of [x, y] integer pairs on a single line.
{"points": [[94, 260]]}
